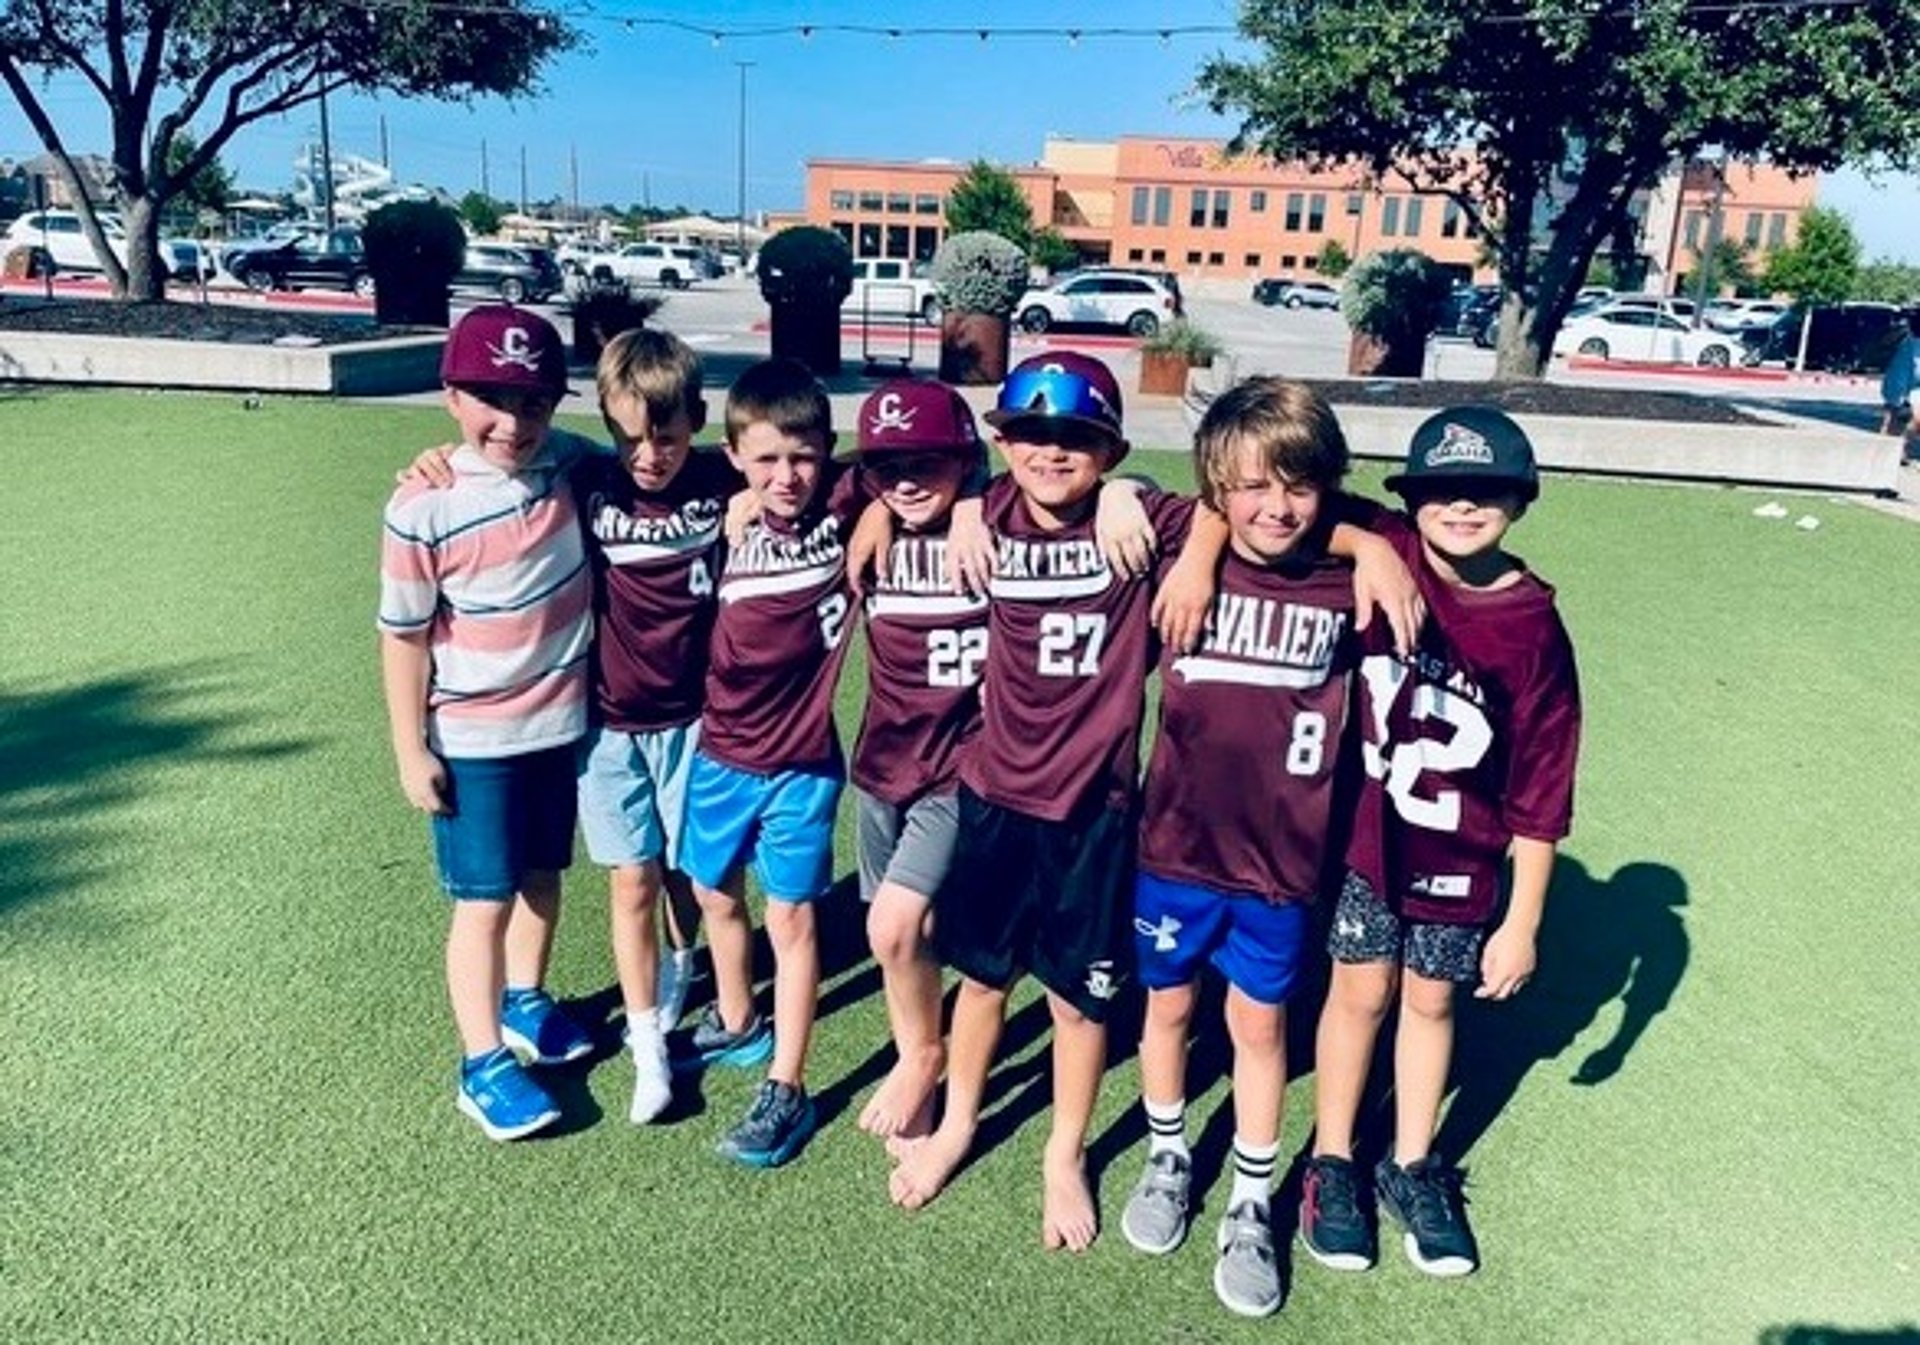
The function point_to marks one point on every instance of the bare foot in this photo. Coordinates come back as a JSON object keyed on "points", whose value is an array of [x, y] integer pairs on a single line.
{"points": [[1068, 1219], [903, 1104], [927, 1167]]}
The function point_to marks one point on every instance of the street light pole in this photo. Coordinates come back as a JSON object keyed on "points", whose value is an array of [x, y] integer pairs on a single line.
{"points": [[740, 221]]}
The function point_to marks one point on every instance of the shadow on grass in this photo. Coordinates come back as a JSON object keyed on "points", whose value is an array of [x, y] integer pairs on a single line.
{"points": [[1809, 1334], [73, 757]]}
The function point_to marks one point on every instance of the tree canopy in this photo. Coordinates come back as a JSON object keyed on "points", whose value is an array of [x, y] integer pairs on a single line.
{"points": [[1546, 120], [1823, 262], [989, 198], [161, 67]]}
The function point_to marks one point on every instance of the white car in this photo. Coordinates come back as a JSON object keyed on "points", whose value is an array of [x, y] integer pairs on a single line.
{"points": [[1126, 299], [889, 288], [1736, 316], [58, 231], [1640, 333], [668, 266]]}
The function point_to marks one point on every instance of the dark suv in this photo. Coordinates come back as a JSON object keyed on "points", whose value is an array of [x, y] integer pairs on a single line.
{"points": [[334, 261], [514, 271], [1855, 338]]}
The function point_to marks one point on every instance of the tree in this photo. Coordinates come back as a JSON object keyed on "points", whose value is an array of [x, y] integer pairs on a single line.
{"points": [[160, 66], [1728, 265], [1886, 281], [1051, 252], [209, 190], [1546, 120], [1823, 262], [990, 198], [1334, 260], [481, 212]]}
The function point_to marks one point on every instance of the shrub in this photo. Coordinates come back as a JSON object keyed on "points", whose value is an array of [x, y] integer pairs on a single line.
{"points": [[979, 272], [806, 266], [1394, 295], [1196, 345], [414, 250]]}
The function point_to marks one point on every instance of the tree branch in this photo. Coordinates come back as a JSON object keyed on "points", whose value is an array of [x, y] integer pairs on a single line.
{"points": [[49, 32]]}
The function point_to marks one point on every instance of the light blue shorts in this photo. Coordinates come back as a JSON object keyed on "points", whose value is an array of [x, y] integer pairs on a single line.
{"points": [[1255, 944], [633, 794], [782, 824]]}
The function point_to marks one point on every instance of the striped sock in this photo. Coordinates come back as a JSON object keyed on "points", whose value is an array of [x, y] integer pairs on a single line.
{"points": [[1252, 1171], [1166, 1127]]}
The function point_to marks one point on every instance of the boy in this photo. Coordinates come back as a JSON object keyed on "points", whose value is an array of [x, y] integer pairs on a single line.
{"points": [[1236, 808], [653, 512], [485, 620], [1469, 748], [767, 774], [925, 647], [1046, 791]]}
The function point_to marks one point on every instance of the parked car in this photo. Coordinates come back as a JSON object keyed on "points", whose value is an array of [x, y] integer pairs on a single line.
{"points": [[1307, 294], [1477, 317], [1853, 338], [1671, 305], [1742, 315], [517, 272], [188, 260], [59, 233], [579, 254], [669, 266], [892, 288], [1103, 298], [1637, 332], [324, 261]]}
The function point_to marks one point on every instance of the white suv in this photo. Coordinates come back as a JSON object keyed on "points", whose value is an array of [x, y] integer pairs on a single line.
{"points": [[886, 288], [661, 264], [1126, 299], [58, 231]]}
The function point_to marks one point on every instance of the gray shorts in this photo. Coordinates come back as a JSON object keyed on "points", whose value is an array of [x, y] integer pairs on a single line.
{"points": [[1365, 929], [911, 846]]}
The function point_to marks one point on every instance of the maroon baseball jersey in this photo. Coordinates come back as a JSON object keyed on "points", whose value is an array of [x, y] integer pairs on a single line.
{"points": [[658, 554], [926, 646], [1466, 745], [1068, 649], [1240, 788], [780, 636]]}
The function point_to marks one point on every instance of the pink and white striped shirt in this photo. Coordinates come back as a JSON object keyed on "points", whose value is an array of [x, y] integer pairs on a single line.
{"points": [[494, 571]]}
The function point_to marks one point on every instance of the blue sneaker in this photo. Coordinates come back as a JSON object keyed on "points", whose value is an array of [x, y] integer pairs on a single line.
{"points": [[505, 1101], [711, 1044], [540, 1030], [775, 1126]]}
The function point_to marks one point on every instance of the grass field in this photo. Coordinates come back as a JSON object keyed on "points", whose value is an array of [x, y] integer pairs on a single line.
{"points": [[225, 1093]]}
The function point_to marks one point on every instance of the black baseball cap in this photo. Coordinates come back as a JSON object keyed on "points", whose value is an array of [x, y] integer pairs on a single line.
{"points": [[1478, 444]]}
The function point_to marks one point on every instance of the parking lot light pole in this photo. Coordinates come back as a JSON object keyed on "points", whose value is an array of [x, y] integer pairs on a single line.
{"points": [[740, 221]]}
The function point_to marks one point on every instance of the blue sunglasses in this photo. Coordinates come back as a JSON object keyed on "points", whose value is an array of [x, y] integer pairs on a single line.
{"points": [[1054, 392]]}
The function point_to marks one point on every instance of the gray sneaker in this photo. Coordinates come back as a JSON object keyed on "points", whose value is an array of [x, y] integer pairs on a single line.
{"points": [[1155, 1219], [1247, 1276]]}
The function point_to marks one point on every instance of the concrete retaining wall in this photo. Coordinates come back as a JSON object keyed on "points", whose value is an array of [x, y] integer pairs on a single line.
{"points": [[360, 369]]}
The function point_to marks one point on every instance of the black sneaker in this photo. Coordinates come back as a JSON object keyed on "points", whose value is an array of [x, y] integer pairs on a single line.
{"points": [[775, 1126], [1334, 1226], [1425, 1199]]}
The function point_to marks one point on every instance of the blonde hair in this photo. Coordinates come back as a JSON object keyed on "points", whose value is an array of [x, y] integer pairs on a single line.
{"points": [[656, 369], [1288, 424]]}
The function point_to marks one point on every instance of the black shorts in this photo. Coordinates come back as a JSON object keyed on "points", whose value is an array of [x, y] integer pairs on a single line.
{"points": [[1050, 898]]}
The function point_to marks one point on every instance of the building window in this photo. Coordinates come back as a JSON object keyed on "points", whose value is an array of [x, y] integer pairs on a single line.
{"points": [[899, 203], [1193, 259], [1295, 201], [1221, 201], [1288, 261], [1415, 209], [1317, 213], [845, 229], [1197, 209], [1776, 230], [1755, 223], [1162, 206], [1693, 229], [1253, 261], [1390, 217], [1450, 219], [869, 241], [1257, 202], [1313, 263], [897, 240], [1157, 255], [840, 200], [926, 242], [1140, 197], [926, 203], [1355, 202], [1216, 259], [1134, 255]]}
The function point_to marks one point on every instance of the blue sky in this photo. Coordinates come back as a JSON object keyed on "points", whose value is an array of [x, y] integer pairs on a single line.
{"points": [[653, 113]]}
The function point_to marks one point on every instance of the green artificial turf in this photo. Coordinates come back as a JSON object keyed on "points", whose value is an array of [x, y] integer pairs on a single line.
{"points": [[225, 1093]]}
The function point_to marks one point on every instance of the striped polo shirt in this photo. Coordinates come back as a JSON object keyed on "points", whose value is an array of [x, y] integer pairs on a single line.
{"points": [[494, 572]]}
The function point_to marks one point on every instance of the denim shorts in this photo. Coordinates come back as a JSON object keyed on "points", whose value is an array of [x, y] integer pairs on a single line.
{"points": [[781, 824], [508, 817], [633, 793]]}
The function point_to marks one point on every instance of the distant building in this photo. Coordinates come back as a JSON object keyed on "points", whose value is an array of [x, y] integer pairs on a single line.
{"points": [[44, 182], [1190, 206]]}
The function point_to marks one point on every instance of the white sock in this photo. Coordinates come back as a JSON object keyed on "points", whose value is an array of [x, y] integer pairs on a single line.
{"points": [[1252, 1171], [1166, 1127], [652, 1080]]}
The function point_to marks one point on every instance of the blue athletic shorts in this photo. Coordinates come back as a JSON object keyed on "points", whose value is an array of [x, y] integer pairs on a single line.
{"points": [[509, 816], [1255, 944], [781, 824], [633, 793]]}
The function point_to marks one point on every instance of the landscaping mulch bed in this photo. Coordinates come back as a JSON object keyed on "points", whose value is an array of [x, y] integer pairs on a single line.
{"points": [[1537, 399], [226, 323]]}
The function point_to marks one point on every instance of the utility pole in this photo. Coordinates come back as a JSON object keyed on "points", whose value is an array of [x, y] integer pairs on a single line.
{"points": [[326, 159], [740, 224], [1702, 282], [573, 179], [386, 160], [523, 179]]}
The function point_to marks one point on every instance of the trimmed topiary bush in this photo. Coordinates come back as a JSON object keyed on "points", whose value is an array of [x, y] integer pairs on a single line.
{"points": [[805, 275], [979, 272], [414, 250], [1392, 300]]}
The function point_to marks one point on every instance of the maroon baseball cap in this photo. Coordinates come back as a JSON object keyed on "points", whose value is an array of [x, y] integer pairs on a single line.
{"points": [[916, 415], [500, 346]]}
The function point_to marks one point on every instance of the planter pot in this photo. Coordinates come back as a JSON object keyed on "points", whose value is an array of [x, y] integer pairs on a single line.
{"points": [[1400, 355], [809, 333], [1163, 373], [402, 301], [973, 347]]}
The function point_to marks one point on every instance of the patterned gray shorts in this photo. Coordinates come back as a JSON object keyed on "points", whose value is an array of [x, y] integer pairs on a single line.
{"points": [[1365, 929]]}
